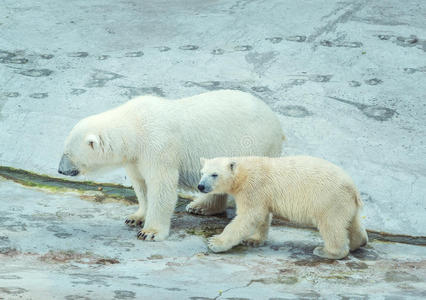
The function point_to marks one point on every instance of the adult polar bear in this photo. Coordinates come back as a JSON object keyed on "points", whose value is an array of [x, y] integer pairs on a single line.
{"points": [[159, 142]]}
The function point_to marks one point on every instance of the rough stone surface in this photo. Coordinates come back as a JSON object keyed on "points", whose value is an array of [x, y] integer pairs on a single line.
{"points": [[345, 78], [58, 246]]}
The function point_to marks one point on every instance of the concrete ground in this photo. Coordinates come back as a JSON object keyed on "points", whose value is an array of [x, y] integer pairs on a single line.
{"points": [[347, 80], [59, 246]]}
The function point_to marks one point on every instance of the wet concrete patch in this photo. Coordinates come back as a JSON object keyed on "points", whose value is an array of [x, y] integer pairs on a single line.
{"points": [[163, 48], [81, 54], [10, 277], [189, 47], [77, 297], [100, 78], [47, 56], [35, 72], [410, 41], [132, 91], [295, 111], [77, 92], [354, 83], [12, 290], [134, 54], [378, 113], [243, 48], [275, 40], [122, 294], [218, 51], [373, 81], [11, 94], [261, 61], [320, 78], [7, 57], [296, 38], [260, 89], [327, 43], [102, 57], [39, 95]]}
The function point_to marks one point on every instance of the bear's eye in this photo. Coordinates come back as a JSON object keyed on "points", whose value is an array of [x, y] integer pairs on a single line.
{"points": [[214, 175]]}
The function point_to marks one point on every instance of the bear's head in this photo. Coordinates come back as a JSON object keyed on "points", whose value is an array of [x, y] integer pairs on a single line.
{"points": [[86, 149], [217, 175]]}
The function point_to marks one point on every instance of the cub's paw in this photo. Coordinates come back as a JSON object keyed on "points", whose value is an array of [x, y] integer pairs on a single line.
{"points": [[200, 208], [253, 243], [216, 244], [135, 220], [195, 209], [151, 235]]}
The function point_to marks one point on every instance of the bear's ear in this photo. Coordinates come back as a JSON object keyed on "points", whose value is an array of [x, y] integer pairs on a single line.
{"points": [[202, 161], [93, 141], [232, 166]]}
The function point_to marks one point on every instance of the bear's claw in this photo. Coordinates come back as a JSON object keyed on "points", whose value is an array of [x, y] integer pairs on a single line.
{"points": [[134, 221], [131, 222], [195, 210], [146, 235], [153, 234], [253, 243]]}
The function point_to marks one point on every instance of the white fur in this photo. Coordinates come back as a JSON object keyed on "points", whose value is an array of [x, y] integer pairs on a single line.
{"points": [[303, 189], [160, 142]]}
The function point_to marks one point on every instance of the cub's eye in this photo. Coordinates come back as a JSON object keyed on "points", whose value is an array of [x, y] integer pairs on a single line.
{"points": [[214, 175]]}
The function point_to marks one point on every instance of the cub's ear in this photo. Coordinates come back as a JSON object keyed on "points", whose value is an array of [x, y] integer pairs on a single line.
{"points": [[93, 141], [232, 165], [202, 161]]}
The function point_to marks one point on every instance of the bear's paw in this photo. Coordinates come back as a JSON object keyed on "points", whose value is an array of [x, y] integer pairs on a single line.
{"points": [[150, 235], [216, 244], [196, 210]]}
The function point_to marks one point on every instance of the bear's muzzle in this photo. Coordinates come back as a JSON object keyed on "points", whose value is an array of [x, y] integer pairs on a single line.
{"points": [[67, 167]]}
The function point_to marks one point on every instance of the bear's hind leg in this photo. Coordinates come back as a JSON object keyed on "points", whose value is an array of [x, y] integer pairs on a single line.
{"points": [[139, 186], [208, 205], [357, 234], [336, 242], [261, 235]]}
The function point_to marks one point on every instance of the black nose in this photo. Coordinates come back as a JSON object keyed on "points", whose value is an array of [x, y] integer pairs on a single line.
{"points": [[201, 187]]}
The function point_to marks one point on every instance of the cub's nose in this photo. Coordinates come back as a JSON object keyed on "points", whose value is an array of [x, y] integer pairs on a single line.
{"points": [[201, 187]]}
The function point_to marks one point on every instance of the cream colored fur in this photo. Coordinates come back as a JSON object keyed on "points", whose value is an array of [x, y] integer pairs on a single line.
{"points": [[159, 142], [303, 189]]}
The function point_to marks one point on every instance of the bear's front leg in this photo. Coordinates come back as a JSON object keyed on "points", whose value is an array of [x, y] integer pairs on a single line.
{"points": [[162, 197], [240, 228], [139, 186]]}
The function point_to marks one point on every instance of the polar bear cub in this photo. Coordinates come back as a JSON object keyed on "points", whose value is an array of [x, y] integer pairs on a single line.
{"points": [[160, 141], [303, 189]]}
